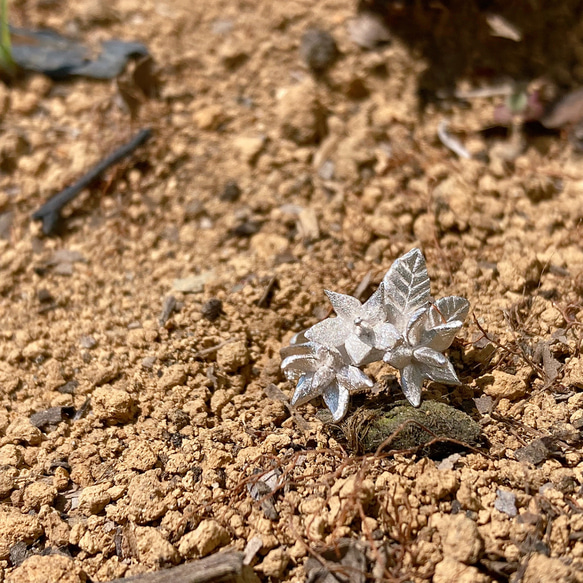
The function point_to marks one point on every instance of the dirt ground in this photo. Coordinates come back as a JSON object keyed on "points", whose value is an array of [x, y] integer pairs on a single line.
{"points": [[137, 433]]}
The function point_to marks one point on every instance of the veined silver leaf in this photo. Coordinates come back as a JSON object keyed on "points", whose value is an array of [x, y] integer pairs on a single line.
{"points": [[407, 288], [447, 309]]}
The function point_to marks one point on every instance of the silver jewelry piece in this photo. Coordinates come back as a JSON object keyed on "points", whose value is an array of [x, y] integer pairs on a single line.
{"points": [[399, 324]]}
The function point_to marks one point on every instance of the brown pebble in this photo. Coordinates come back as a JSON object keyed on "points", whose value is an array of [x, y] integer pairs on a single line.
{"points": [[212, 309], [44, 296], [231, 192], [318, 49]]}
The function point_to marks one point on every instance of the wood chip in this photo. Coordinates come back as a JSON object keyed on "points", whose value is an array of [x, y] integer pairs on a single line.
{"points": [[219, 567]]}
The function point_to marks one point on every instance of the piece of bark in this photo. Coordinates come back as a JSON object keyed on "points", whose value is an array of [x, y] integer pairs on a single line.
{"points": [[218, 568]]}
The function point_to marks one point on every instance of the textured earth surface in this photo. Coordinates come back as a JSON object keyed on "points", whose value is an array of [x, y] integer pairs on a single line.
{"points": [[140, 422]]}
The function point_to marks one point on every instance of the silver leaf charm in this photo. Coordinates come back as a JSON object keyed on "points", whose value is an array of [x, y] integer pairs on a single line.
{"points": [[406, 286], [399, 324]]}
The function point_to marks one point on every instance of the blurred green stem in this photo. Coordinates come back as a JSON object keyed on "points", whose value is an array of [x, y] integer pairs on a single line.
{"points": [[7, 64]]}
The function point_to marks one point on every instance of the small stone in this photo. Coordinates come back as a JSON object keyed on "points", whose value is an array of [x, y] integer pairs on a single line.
{"points": [[19, 553], [501, 385], [519, 271], [274, 564], [65, 269], [7, 481], [105, 374], [460, 538], [210, 117], [573, 372], [68, 388], [148, 362], [6, 225], [536, 452], [368, 30], [38, 494], [36, 350], [246, 229], [179, 418], [15, 527], [10, 455], [57, 531], [61, 479], [112, 405], [318, 49], [146, 496], [450, 570], [212, 309], [268, 245], [65, 256], [174, 376], [87, 342], [436, 484], [222, 26], [233, 356], [24, 103], [140, 457], [356, 486], [208, 536], [48, 569], [93, 499], [44, 296], [192, 284], [506, 502], [153, 549], [231, 192], [21, 430], [168, 308], [326, 170], [249, 147], [302, 117], [543, 569]]}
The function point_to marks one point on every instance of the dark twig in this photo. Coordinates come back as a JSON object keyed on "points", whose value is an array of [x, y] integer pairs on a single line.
{"points": [[267, 294], [168, 307], [50, 212]]}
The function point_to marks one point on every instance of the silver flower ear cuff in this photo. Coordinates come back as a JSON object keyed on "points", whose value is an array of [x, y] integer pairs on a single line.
{"points": [[399, 323]]}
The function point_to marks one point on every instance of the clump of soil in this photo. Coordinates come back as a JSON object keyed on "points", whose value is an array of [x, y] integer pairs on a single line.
{"points": [[404, 427]]}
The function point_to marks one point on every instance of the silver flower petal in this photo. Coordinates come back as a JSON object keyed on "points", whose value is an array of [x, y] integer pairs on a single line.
{"points": [[442, 336], [336, 399], [411, 383], [299, 338], [304, 391], [354, 379], [444, 373], [345, 306], [331, 332], [354, 328], [429, 357]]}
